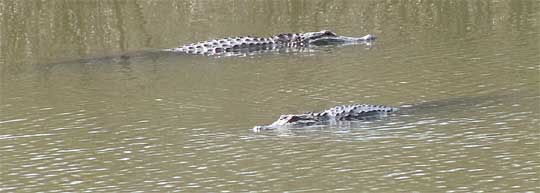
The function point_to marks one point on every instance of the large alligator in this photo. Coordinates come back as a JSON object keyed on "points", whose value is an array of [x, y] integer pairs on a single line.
{"points": [[330, 116], [240, 46], [285, 41]]}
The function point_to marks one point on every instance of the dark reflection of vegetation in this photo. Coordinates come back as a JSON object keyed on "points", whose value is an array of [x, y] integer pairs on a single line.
{"points": [[45, 31]]}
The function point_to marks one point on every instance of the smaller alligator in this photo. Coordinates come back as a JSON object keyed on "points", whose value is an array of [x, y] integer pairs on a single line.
{"points": [[287, 41], [330, 116]]}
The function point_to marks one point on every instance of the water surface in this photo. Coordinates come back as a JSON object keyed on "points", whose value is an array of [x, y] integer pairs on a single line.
{"points": [[75, 116]]}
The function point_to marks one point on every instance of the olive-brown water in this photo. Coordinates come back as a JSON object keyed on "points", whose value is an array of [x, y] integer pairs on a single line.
{"points": [[74, 116]]}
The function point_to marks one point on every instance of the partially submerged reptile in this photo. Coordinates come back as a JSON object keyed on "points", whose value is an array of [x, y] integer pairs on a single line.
{"points": [[284, 41], [330, 116], [239, 46]]}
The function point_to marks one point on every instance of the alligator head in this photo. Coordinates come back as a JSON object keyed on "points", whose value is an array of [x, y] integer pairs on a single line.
{"points": [[291, 121], [326, 37]]}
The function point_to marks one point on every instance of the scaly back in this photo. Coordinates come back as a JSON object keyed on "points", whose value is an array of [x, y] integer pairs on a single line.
{"points": [[251, 44]]}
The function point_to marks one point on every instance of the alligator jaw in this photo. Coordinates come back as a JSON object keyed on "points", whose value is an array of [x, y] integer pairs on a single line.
{"points": [[340, 40]]}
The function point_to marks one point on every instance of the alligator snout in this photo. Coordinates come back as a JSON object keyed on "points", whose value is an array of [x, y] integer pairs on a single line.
{"points": [[259, 128], [338, 40]]}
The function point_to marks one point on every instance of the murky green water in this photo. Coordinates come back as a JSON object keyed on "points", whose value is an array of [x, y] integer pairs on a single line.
{"points": [[468, 69]]}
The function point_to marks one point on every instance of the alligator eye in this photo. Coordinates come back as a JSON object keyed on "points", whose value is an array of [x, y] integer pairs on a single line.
{"points": [[293, 119], [329, 33]]}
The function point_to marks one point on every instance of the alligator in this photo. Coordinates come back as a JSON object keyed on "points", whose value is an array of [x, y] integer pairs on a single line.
{"points": [[236, 46], [285, 41], [332, 116]]}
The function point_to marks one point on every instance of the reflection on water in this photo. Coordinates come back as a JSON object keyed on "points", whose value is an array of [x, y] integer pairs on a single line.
{"points": [[77, 113]]}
